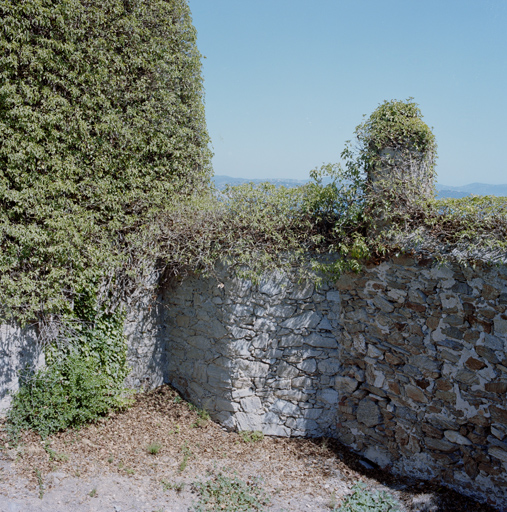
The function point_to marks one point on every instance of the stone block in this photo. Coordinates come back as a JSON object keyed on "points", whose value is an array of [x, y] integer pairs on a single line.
{"points": [[500, 326], [302, 291], [308, 366], [276, 430], [416, 394], [498, 453], [442, 445], [329, 366], [368, 413], [383, 304], [333, 296], [499, 388], [248, 422], [345, 385], [251, 404], [287, 371], [328, 396], [291, 340], [284, 407], [455, 437], [307, 320], [319, 341]]}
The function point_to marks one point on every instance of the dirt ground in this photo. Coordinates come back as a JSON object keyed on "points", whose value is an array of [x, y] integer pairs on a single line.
{"points": [[149, 458]]}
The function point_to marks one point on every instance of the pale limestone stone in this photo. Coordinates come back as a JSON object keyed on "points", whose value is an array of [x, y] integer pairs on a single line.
{"points": [[497, 452], [328, 396], [308, 366], [455, 437], [284, 407], [248, 422], [308, 320], [500, 326], [320, 341], [251, 404], [287, 371]]}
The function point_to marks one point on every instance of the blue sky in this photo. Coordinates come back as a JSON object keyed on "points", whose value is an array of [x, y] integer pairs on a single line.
{"points": [[287, 81]]}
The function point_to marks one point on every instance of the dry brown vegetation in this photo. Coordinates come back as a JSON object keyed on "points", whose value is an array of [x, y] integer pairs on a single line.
{"points": [[164, 443]]}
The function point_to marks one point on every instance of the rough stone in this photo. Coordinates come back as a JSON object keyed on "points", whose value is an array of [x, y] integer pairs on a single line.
{"points": [[455, 437], [368, 413]]}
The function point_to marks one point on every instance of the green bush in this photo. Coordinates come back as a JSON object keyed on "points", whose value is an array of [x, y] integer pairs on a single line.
{"points": [[363, 500], [230, 494], [68, 393]]}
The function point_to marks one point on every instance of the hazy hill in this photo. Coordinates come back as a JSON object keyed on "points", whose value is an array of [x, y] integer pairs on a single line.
{"points": [[480, 189]]}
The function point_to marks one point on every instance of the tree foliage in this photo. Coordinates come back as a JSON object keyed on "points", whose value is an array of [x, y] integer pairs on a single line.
{"points": [[101, 126]]}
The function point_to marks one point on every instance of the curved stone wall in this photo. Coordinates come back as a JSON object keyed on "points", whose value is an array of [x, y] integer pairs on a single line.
{"points": [[405, 363]]}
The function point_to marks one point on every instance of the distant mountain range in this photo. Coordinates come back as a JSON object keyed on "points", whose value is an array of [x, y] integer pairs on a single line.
{"points": [[479, 189]]}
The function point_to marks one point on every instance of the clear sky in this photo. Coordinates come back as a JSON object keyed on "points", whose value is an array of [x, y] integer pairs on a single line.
{"points": [[287, 81]]}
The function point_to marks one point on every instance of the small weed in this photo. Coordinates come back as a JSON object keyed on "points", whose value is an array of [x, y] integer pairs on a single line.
{"points": [[40, 483], [176, 430], [203, 416], [229, 494], [168, 486], [129, 471], [177, 399], [363, 500], [154, 448], [53, 455], [333, 501], [93, 493], [186, 455], [110, 459], [248, 436]]}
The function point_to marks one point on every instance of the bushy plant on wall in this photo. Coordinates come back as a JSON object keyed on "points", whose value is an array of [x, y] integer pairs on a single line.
{"points": [[102, 123], [102, 127]]}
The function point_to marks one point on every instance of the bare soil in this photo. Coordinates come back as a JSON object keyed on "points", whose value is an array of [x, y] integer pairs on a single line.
{"points": [[107, 466]]}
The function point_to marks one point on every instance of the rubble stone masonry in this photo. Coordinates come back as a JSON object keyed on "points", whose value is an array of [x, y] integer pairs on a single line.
{"points": [[405, 363]]}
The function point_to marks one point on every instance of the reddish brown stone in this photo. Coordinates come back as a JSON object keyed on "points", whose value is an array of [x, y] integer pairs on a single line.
{"points": [[432, 431], [497, 387], [471, 336], [432, 322], [443, 385], [415, 307], [477, 439], [392, 359], [490, 470], [422, 383], [498, 415], [489, 292], [394, 387], [475, 364], [415, 394], [471, 468]]}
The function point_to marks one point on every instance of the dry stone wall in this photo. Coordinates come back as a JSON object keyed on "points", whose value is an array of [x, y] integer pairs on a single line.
{"points": [[405, 363]]}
